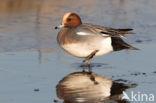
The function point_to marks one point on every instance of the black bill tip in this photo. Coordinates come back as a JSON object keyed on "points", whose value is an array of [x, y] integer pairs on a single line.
{"points": [[56, 27]]}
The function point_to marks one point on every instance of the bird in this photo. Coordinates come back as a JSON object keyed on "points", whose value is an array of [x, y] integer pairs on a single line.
{"points": [[87, 40]]}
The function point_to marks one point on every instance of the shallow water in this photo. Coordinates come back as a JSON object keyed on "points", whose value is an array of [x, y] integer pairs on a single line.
{"points": [[32, 64]]}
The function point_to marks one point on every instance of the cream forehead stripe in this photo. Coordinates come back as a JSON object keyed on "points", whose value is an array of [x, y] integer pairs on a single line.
{"points": [[66, 16]]}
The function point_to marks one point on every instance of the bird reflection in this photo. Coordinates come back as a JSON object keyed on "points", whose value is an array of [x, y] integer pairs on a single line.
{"points": [[87, 87]]}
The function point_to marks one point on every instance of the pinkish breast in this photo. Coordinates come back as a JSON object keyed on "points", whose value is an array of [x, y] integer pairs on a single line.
{"points": [[65, 36]]}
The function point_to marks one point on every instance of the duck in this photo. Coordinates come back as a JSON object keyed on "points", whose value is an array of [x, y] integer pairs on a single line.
{"points": [[87, 40]]}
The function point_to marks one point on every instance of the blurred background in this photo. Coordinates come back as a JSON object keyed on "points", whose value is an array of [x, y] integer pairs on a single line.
{"points": [[32, 63]]}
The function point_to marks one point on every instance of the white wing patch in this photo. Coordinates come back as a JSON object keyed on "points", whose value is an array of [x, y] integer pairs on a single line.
{"points": [[105, 35], [82, 33]]}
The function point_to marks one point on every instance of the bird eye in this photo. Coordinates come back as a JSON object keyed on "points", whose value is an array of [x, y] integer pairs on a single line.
{"points": [[69, 19]]}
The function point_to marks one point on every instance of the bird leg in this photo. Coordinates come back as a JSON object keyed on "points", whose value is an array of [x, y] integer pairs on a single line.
{"points": [[89, 69], [90, 56], [92, 77]]}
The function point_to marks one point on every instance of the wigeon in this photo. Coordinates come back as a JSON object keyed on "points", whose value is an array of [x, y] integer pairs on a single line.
{"points": [[87, 40]]}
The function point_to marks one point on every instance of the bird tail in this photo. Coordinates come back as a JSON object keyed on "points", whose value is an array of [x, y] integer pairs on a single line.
{"points": [[119, 44], [125, 31], [132, 48], [128, 31]]}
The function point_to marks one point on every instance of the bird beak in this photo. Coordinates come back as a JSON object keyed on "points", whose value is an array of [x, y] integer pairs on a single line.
{"points": [[59, 27]]}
